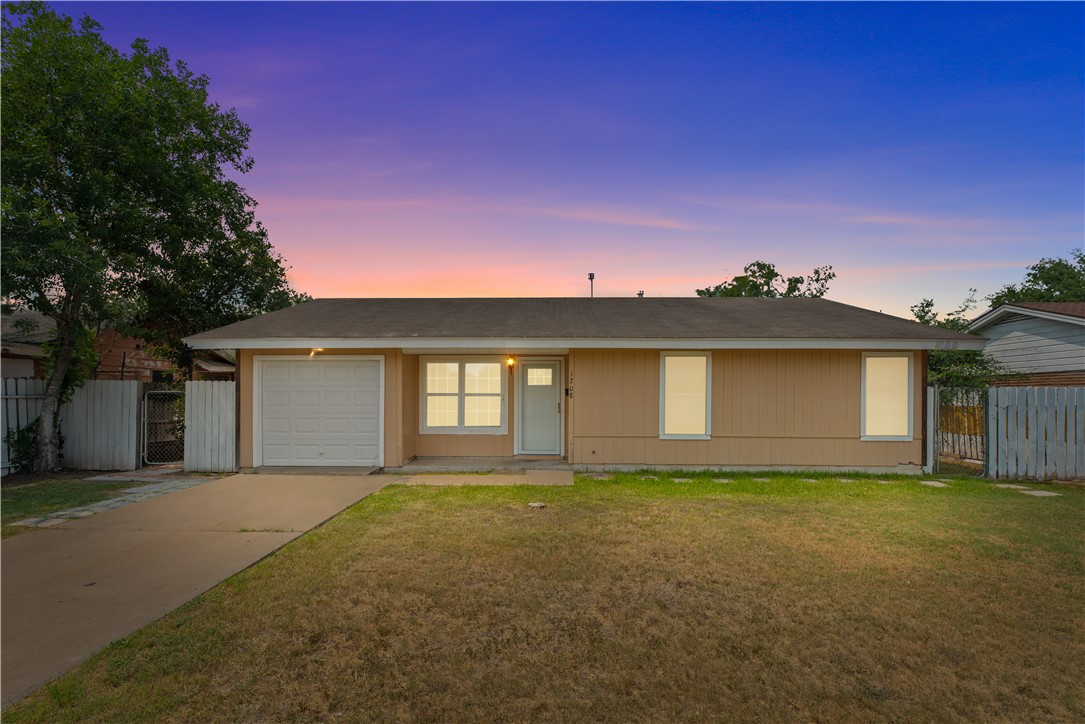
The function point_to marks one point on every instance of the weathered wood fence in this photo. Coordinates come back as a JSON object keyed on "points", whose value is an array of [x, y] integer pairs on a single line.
{"points": [[210, 427], [1036, 432], [22, 399]]}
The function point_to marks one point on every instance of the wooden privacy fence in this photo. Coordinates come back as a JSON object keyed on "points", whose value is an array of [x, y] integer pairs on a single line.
{"points": [[100, 424], [1036, 432], [22, 400], [210, 427]]}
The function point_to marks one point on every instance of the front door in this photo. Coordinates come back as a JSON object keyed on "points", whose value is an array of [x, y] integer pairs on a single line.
{"points": [[540, 408]]}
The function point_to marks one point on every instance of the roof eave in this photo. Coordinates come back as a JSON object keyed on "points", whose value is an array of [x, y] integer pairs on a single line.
{"points": [[499, 344], [992, 316]]}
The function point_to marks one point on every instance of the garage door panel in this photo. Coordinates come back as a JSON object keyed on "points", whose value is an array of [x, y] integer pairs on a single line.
{"points": [[276, 373], [320, 412]]}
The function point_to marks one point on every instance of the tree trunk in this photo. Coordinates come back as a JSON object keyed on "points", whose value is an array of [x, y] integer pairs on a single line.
{"points": [[48, 454]]}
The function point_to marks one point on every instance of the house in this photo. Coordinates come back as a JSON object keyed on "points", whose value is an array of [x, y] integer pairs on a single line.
{"points": [[1039, 343], [22, 353], [621, 382]]}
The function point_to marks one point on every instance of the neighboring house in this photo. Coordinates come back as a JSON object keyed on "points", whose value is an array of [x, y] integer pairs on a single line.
{"points": [[119, 357], [1039, 343], [654, 382]]}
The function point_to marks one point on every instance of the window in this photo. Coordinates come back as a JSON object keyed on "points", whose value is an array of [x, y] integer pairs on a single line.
{"points": [[463, 396], [685, 380], [886, 397]]}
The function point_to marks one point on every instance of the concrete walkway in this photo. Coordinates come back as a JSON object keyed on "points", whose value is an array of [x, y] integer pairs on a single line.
{"points": [[75, 587]]}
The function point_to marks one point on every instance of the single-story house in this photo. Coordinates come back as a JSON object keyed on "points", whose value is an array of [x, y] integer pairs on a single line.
{"points": [[1039, 343], [598, 382], [120, 357]]}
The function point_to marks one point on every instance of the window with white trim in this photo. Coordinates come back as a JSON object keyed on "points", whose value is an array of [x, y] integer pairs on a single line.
{"points": [[464, 396], [685, 395], [886, 396]]}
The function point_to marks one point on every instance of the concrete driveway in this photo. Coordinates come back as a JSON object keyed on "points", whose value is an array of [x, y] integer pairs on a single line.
{"points": [[72, 589]]}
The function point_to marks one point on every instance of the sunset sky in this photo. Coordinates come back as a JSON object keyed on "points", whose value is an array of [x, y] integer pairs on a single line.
{"points": [[510, 149]]}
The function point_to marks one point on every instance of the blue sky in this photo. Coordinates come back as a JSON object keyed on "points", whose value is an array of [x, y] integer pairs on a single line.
{"points": [[508, 149]]}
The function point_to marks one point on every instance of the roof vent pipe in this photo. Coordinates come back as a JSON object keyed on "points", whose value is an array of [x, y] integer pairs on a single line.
{"points": [[591, 281], [640, 294]]}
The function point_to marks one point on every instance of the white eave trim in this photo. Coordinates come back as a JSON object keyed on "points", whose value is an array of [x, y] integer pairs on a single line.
{"points": [[505, 345], [993, 316]]}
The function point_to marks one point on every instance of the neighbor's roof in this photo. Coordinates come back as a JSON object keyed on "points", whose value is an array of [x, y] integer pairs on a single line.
{"points": [[553, 323], [1072, 312], [40, 328]]}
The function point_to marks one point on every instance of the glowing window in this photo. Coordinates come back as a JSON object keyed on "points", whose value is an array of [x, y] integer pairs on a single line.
{"points": [[540, 376], [684, 397], [463, 396], [886, 397]]}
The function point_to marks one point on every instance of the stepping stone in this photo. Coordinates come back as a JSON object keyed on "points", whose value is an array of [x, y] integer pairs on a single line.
{"points": [[648, 477], [808, 480], [681, 480], [536, 505], [761, 480], [1011, 486], [598, 476], [846, 480], [1040, 493], [722, 480], [933, 483]]}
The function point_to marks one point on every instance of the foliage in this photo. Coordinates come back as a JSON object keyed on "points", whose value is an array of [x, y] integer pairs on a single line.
{"points": [[22, 445], [117, 200], [762, 280], [956, 368], [84, 360], [1048, 280]]}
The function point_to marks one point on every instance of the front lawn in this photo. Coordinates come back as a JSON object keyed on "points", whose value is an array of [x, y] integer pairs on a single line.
{"points": [[630, 600], [27, 496]]}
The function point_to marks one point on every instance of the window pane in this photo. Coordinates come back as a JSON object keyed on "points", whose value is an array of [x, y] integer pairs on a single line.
{"points": [[482, 377], [482, 411], [442, 377], [543, 377], [685, 387], [887, 405], [442, 411]]}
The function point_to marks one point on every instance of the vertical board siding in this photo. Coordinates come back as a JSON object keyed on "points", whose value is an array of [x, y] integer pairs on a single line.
{"points": [[22, 401], [1036, 433], [769, 407], [210, 419], [100, 425]]}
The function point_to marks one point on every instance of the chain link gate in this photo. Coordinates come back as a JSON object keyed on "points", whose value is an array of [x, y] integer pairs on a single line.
{"points": [[163, 427], [960, 439]]}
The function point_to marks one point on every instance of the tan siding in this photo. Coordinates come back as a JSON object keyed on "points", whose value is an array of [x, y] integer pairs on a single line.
{"points": [[769, 407], [409, 429], [393, 448]]}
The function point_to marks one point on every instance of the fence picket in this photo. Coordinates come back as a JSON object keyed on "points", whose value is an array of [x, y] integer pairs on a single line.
{"points": [[1036, 432], [1079, 432]]}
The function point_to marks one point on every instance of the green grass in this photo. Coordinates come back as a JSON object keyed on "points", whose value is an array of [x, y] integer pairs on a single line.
{"points": [[39, 498], [630, 600]]}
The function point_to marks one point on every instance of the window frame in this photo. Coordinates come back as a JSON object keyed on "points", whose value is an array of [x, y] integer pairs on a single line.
{"points": [[461, 395], [863, 436], [663, 435]]}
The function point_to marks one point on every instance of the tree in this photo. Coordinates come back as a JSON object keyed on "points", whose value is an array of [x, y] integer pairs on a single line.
{"points": [[1048, 280], [762, 280], [955, 367], [117, 199]]}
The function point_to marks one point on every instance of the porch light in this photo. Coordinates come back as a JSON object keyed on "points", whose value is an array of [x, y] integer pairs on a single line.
{"points": [[511, 361], [314, 350]]}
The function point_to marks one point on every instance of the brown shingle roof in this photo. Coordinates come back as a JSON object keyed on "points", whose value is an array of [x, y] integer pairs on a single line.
{"points": [[1070, 309], [577, 318]]}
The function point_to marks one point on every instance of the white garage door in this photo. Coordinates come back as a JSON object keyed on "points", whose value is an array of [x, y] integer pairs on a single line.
{"points": [[319, 411]]}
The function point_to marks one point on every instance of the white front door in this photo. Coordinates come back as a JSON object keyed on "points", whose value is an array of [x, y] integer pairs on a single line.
{"points": [[319, 411], [540, 396]]}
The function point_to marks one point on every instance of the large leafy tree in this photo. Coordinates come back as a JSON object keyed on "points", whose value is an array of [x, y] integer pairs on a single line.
{"points": [[1048, 280], [762, 280], [119, 199], [956, 368]]}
